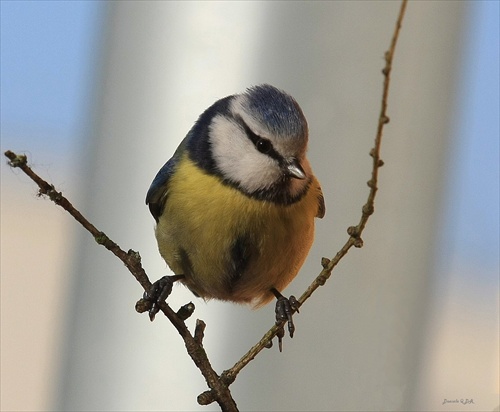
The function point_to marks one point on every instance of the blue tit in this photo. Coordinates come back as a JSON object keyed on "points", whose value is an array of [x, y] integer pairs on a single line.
{"points": [[235, 205]]}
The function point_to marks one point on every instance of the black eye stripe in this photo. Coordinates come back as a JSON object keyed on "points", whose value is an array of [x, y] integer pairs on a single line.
{"points": [[262, 144]]}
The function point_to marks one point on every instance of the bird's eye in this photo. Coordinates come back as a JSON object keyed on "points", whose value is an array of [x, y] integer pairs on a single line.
{"points": [[263, 145]]}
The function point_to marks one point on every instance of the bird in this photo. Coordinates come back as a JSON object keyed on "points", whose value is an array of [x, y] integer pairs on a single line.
{"points": [[235, 205]]}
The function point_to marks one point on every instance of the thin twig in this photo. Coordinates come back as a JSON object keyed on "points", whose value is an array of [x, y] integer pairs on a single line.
{"points": [[132, 260], [354, 231]]}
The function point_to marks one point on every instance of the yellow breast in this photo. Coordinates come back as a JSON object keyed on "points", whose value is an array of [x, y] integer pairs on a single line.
{"points": [[202, 220]]}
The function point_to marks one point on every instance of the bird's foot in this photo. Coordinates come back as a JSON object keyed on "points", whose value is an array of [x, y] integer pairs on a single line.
{"points": [[157, 294], [285, 309]]}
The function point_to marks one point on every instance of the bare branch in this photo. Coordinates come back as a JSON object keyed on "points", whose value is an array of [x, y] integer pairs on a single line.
{"points": [[219, 385], [132, 260], [354, 232]]}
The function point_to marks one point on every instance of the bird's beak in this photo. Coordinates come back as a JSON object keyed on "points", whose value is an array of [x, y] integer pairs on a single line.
{"points": [[294, 169]]}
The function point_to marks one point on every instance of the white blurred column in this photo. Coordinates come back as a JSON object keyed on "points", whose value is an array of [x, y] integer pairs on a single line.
{"points": [[357, 341]]}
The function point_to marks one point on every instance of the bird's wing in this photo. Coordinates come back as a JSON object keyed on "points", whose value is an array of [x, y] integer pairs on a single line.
{"points": [[158, 191]]}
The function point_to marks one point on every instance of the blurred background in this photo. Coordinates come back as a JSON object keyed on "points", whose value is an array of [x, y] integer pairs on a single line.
{"points": [[99, 94]]}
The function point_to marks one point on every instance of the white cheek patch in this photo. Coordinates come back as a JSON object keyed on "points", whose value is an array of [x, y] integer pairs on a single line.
{"points": [[237, 158]]}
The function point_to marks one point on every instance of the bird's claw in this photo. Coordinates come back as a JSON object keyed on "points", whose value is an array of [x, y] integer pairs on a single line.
{"points": [[285, 309], [158, 293]]}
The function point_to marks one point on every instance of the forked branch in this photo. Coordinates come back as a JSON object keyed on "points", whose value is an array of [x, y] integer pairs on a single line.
{"points": [[219, 385]]}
